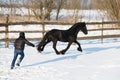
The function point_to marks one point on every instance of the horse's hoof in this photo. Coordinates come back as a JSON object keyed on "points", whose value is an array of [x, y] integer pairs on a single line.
{"points": [[58, 53], [62, 52], [40, 51], [79, 49]]}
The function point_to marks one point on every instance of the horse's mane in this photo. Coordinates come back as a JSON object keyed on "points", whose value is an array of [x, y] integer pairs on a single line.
{"points": [[79, 24]]}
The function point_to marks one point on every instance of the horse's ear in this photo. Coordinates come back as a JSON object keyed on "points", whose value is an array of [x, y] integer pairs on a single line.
{"points": [[83, 23]]}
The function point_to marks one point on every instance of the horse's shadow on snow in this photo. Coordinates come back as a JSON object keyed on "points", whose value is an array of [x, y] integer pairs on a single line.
{"points": [[53, 60], [71, 56]]}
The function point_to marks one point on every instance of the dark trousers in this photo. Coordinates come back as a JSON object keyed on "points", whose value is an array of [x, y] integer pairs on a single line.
{"points": [[16, 53]]}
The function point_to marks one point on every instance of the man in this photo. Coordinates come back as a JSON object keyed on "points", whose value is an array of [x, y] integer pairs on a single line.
{"points": [[19, 49]]}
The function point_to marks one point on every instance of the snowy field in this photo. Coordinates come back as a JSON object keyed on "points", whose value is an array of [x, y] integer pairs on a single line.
{"points": [[96, 62]]}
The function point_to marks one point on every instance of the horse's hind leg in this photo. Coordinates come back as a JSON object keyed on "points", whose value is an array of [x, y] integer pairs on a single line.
{"points": [[42, 48], [39, 48], [42, 45], [79, 47]]}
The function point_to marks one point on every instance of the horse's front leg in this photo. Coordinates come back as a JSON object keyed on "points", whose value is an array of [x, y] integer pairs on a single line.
{"points": [[54, 46], [79, 47], [63, 51], [42, 45]]}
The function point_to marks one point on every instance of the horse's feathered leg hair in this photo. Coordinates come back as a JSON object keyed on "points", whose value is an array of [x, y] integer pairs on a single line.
{"points": [[42, 44]]}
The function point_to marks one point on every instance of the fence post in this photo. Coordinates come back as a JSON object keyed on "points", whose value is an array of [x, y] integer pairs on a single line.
{"points": [[102, 31], [43, 29], [6, 32]]}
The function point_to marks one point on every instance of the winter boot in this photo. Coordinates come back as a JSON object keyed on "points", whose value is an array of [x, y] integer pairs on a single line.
{"points": [[18, 63], [12, 67]]}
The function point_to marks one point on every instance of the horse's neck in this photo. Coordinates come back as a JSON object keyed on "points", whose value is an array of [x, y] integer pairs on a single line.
{"points": [[74, 30]]}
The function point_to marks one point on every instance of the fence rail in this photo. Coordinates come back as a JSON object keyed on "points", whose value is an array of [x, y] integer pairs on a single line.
{"points": [[57, 23], [40, 31], [8, 24]]}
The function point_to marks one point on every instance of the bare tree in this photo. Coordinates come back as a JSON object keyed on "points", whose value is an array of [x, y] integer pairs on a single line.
{"points": [[60, 4], [12, 9], [76, 8], [42, 8], [49, 4], [113, 8]]}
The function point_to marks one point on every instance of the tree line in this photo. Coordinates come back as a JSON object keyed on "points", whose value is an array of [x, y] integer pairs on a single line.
{"points": [[42, 8]]}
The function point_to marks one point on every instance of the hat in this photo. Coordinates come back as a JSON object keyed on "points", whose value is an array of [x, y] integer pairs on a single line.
{"points": [[22, 34]]}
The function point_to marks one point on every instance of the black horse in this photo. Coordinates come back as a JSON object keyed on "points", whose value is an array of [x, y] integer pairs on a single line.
{"points": [[69, 36]]}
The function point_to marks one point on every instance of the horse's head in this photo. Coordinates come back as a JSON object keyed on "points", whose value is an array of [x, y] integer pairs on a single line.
{"points": [[79, 26], [84, 28]]}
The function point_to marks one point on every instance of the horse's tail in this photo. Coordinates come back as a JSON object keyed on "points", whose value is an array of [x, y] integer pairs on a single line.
{"points": [[40, 45]]}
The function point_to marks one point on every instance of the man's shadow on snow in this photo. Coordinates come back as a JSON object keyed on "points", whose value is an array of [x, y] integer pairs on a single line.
{"points": [[73, 56]]}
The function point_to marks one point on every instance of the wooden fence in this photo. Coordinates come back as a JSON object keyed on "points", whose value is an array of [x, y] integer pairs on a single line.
{"points": [[7, 24]]}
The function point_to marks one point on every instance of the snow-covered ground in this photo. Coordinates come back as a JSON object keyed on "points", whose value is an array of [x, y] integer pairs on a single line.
{"points": [[96, 62]]}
